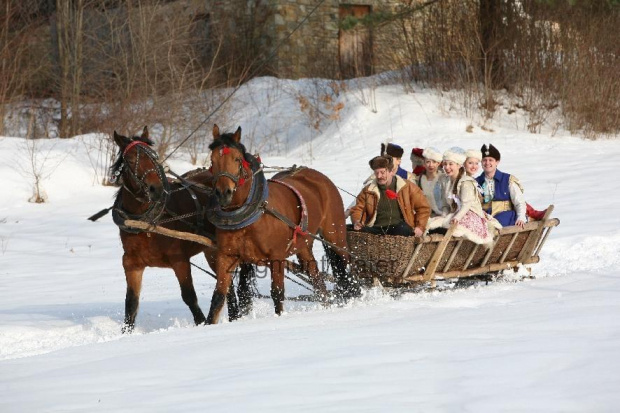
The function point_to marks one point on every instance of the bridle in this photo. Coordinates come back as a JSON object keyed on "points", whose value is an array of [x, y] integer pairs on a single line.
{"points": [[156, 208], [244, 172]]}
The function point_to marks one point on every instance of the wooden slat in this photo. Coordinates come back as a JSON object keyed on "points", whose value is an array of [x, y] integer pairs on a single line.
{"points": [[532, 240], [488, 255], [509, 247], [486, 268], [471, 256], [413, 257], [436, 257], [548, 230], [454, 252]]}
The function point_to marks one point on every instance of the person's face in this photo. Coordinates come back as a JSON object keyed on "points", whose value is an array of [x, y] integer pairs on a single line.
{"points": [[431, 165], [489, 165], [384, 177], [396, 163], [451, 168], [471, 166]]}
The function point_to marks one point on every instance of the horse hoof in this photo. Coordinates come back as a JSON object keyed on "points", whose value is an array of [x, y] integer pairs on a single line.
{"points": [[127, 328]]}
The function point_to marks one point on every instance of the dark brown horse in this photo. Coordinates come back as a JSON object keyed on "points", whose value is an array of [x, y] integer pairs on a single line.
{"points": [[303, 196], [146, 194]]}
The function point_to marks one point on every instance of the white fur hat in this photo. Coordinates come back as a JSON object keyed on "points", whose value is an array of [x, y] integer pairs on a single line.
{"points": [[432, 153], [455, 154], [474, 153]]}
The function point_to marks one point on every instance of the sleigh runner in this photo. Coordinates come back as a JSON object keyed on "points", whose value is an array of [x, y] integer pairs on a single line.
{"points": [[402, 261]]}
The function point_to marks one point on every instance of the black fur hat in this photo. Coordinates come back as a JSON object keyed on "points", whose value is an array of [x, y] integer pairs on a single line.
{"points": [[490, 151], [381, 161], [393, 150]]}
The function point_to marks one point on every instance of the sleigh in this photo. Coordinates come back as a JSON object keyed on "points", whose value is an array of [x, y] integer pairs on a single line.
{"points": [[398, 261]]}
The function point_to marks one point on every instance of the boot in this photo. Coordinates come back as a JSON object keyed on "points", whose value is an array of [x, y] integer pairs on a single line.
{"points": [[533, 213]]}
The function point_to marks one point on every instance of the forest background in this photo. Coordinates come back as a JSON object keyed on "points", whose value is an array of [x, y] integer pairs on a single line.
{"points": [[69, 67]]}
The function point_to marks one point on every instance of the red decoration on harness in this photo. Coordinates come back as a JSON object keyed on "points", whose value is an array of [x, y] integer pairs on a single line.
{"points": [[245, 164], [391, 194], [299, 231], [241, 181], [258, 159], [132, 144], [224, 151]]}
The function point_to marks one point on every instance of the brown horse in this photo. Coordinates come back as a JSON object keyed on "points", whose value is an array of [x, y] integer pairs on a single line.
{"points": [[146, 194], [268, 232]]}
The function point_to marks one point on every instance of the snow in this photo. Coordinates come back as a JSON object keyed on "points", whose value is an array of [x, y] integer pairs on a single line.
{"points": [[544, 344]]}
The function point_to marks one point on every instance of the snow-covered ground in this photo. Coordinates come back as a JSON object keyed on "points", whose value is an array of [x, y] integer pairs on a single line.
{"points": [[545, 344]]}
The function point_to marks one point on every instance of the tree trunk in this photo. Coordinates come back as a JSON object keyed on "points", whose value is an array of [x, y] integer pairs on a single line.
{"points": [[491, 41]]}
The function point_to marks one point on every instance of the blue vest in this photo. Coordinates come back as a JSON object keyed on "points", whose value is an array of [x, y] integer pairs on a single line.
{"points": [[502, 193], [401, 172]]}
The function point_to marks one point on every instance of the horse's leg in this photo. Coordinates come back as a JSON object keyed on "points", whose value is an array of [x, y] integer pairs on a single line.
{"points": [[231, 302], [183, 272], [231, 298], [225, 266], [133, 276], [306, 258], [244, 290], [347, 285], [277, 285]]}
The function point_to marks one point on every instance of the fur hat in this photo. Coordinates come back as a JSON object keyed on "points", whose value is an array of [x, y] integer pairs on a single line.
{"points": [[455, 154], [490, 151], [432, 153], [417, 157], [382, 161], [474, 153], [392, 149]]}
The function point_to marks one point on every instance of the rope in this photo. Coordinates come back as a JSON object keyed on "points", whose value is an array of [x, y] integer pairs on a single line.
{"points": [[252, 74]]}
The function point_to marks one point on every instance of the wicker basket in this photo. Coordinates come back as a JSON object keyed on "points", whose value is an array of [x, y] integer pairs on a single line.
{"points": [[379, 256]]}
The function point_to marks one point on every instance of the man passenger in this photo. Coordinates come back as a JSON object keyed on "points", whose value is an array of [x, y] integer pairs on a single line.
{"points": [[389, 204], [502, 192]]}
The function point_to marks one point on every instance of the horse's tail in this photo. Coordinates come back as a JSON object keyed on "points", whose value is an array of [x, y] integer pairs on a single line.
{"points": [[347, 284]]}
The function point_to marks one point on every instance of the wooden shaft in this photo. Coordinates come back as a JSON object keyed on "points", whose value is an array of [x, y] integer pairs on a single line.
{"points": [[188, 236]]}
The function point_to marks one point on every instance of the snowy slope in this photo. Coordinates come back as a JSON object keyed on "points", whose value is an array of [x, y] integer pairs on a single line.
{"points": [[547, 344]]}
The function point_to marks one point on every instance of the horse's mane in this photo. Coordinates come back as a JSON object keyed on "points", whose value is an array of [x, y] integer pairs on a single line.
{"points": [[226, 139]]}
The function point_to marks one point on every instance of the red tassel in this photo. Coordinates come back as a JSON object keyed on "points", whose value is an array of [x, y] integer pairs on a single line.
{"points": [[391, 194], [245, 164], [241, 181], [258, 159], [225, 150], [299, 231]]}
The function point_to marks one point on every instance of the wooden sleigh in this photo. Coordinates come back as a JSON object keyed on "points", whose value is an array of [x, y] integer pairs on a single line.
{"points": [[398, 261]]}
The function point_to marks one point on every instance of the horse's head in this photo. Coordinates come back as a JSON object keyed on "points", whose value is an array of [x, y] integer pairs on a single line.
{"points": [[228, 165], [137, 169]]}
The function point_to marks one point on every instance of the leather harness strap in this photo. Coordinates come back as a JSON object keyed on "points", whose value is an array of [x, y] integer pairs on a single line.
{"points": [[302, 228]]}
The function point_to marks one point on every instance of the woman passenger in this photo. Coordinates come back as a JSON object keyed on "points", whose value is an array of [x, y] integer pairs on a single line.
{"points": [[462, 197]]}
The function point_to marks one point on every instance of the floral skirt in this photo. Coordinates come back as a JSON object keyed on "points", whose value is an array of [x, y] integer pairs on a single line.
{"points": [[472, 226]]}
